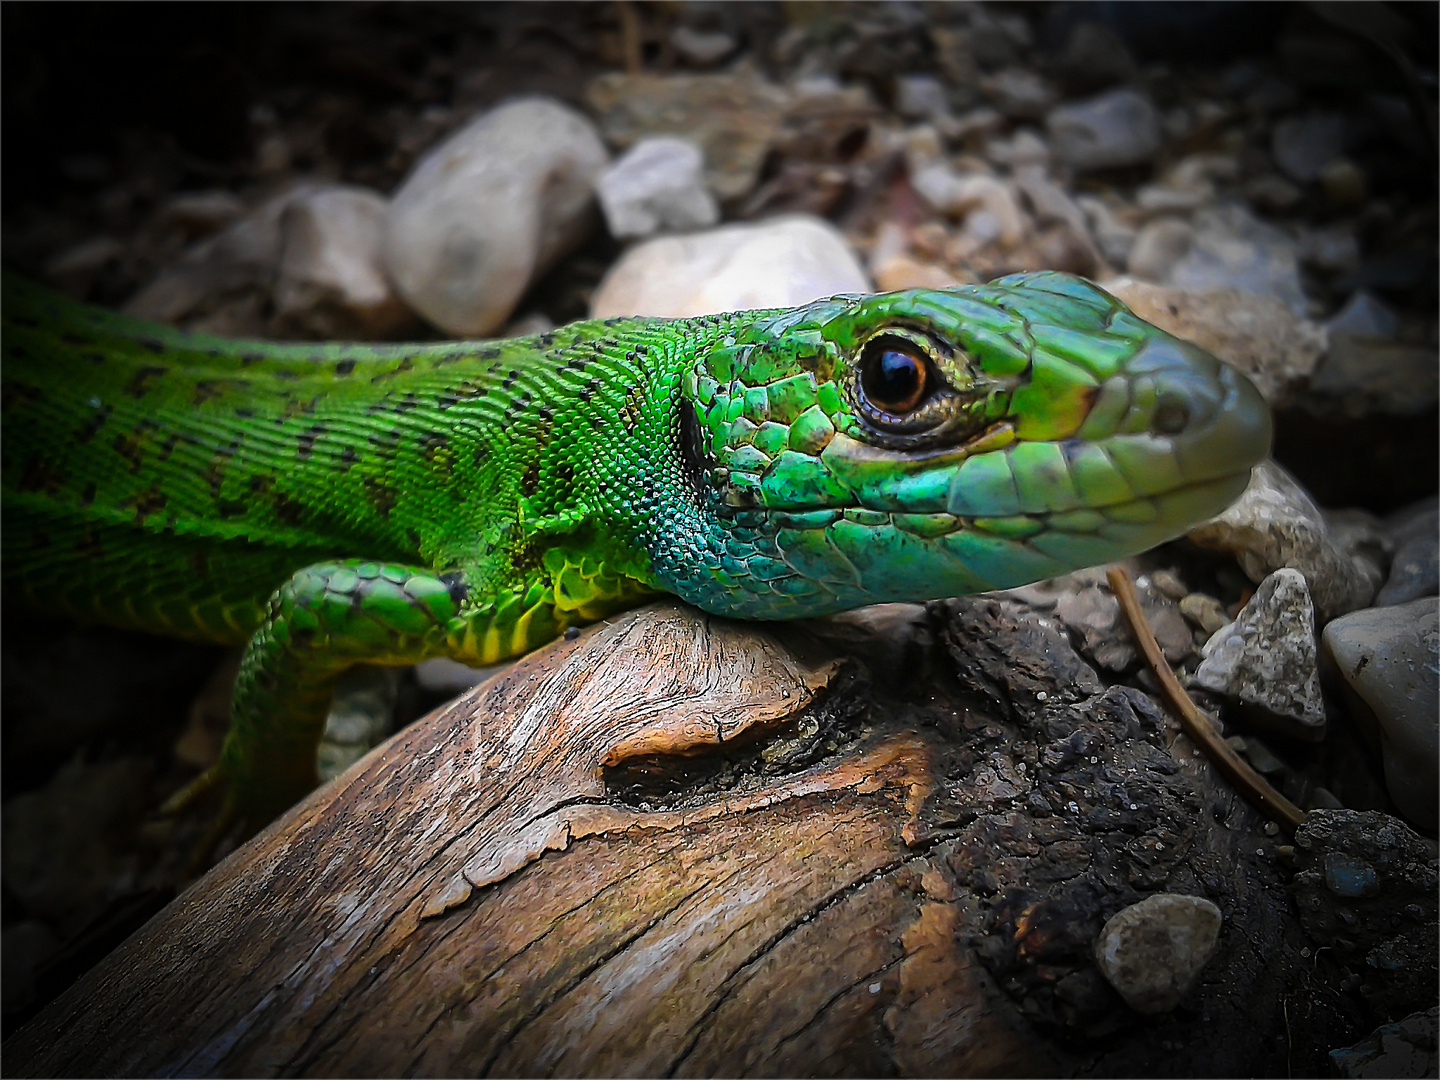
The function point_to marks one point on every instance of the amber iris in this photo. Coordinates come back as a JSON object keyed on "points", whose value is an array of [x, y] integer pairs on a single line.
{"points": [[894, 375]]}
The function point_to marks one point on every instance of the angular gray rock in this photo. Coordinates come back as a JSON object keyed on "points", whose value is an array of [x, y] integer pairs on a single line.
{"points": [[1266, 660], [489, 209], [656, 186]]}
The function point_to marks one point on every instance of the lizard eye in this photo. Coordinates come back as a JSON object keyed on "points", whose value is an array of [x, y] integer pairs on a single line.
{"points": [[894, 375]]}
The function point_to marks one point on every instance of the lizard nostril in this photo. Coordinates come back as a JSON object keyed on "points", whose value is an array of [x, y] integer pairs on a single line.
{"points": [[1171, 417]]}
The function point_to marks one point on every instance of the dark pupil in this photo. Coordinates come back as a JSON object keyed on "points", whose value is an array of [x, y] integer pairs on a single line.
{"points": [[893, 380]]}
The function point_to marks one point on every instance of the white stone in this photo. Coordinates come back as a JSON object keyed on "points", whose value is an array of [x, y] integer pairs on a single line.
{"points": [[330, 282], [1390, 658], [781, 262], [1153, 952], [961, 196], [484, 213], [657, 186]]}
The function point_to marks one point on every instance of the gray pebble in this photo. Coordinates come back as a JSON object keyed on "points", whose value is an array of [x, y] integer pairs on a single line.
{"points": [[1153, 952]]}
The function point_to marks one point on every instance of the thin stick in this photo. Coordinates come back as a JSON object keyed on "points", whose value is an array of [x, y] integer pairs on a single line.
{"points": [[1194, 722], [630, 36]]}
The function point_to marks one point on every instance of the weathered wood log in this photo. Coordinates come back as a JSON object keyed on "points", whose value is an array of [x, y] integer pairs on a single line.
{"points": [[682, 846]]}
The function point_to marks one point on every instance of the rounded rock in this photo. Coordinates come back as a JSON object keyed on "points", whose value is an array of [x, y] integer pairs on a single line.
{"points": [[1153, 952], [782, 262], [1388, 658], [489, 209]]}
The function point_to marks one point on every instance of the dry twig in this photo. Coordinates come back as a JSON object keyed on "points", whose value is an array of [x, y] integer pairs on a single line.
{"points": [[1194, 722]]}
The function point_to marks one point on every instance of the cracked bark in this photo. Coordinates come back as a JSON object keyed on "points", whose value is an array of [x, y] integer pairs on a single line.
{"points": [[680, 846]]}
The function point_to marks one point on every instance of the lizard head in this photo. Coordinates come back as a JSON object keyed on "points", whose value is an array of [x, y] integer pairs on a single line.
{"points": [[914, 445]]}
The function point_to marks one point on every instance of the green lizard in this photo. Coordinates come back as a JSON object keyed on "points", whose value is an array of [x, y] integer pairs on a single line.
{"points": [[331, 504]]}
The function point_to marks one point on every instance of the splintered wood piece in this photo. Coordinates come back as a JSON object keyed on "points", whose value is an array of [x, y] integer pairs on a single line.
{"points": [[478, 896]]}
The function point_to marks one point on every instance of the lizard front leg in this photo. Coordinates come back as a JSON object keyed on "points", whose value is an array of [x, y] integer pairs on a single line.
{"points": [[326, 618]]}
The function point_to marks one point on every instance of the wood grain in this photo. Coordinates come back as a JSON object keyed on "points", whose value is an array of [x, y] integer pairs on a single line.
{"points": [[472, 898]]}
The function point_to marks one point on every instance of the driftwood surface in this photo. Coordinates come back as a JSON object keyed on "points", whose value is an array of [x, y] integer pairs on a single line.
{"points": [[681, 846]]}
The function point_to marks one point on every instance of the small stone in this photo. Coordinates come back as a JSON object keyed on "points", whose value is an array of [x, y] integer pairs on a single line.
{"points": [[1050, 203], [1114, 236], [201, 213], [1204, 611], [1261, 758], [490, 208], [919, 97], [1168, 585], [702, 47], [902, 272], [656, 186], [1094, 56], [329, 283], [975, 123], [1153, 952], [1344, 183], [781, 262], [361, 715], [1266, 658], [1234, 249], [1019, 93], [961, 196], [734, 118], [1365, 315], [1388, 659], [1271, 191], [1025, 147], [1257, 334], [1121, 127], [1274, 524], [1158, 247], [1303, 145], [222, 282], [1404, 1048], [1332, 250]]}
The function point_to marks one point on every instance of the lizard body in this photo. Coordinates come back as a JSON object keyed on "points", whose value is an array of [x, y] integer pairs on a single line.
{"points": [[331, 504]]}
